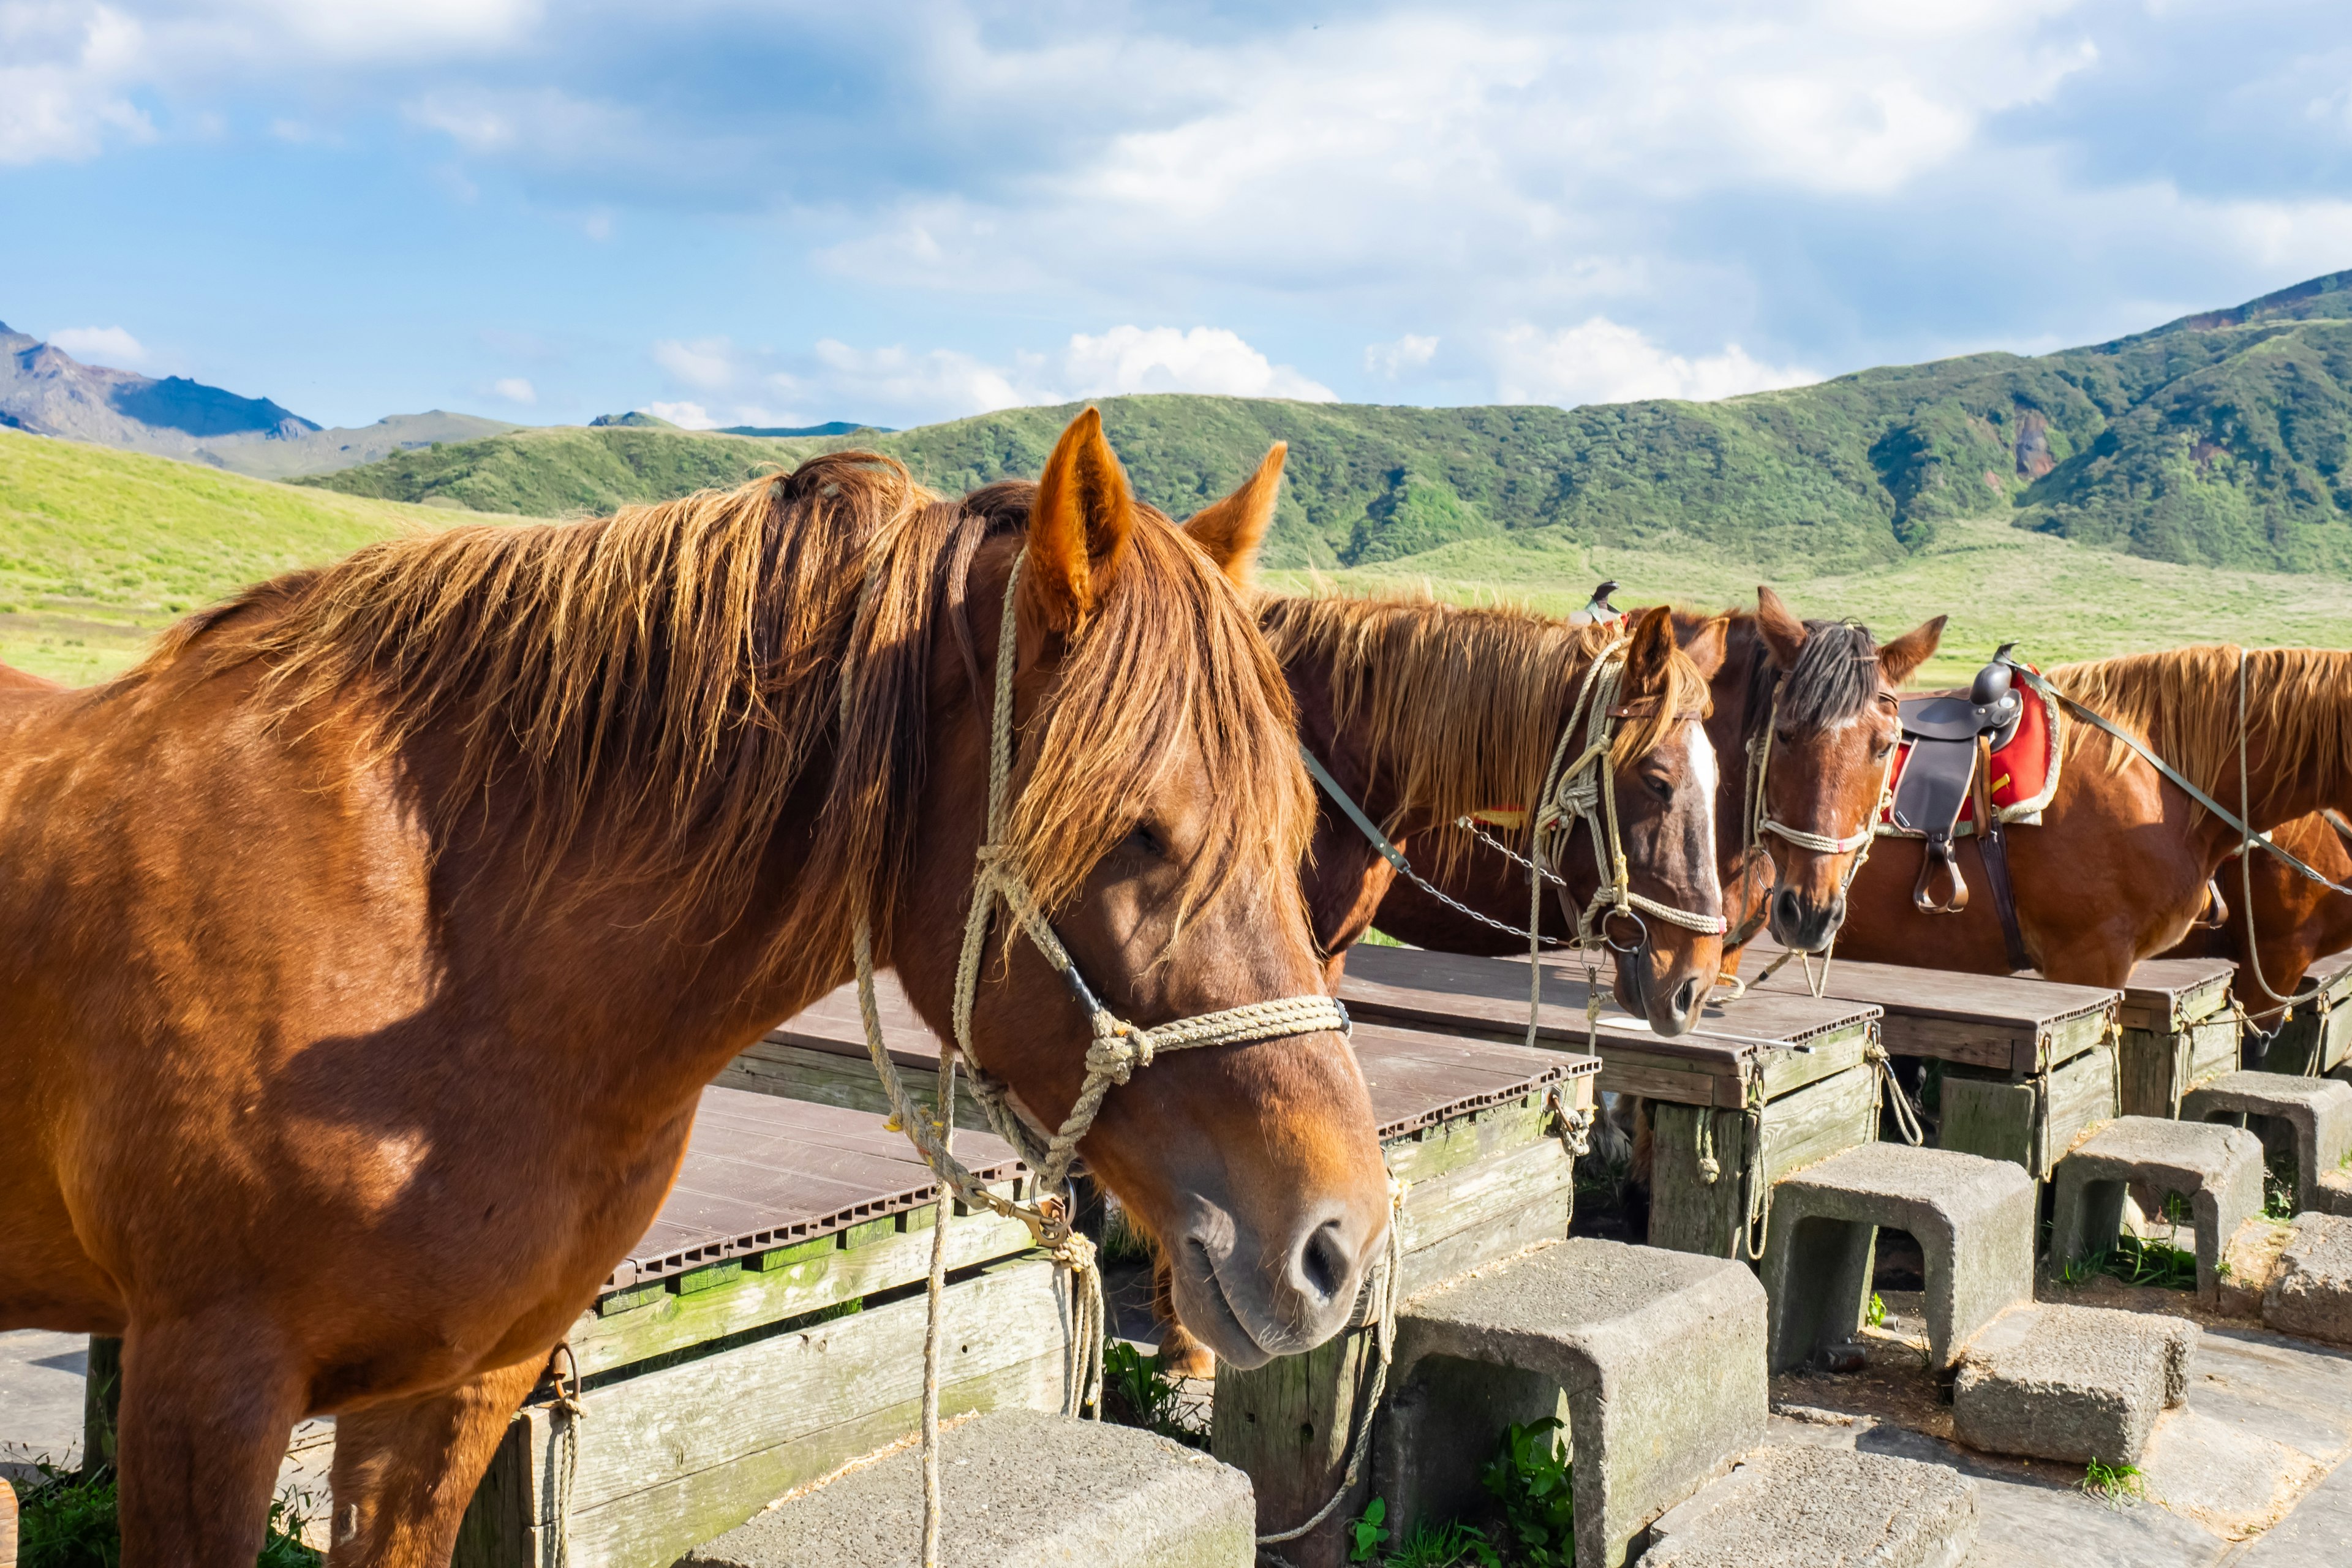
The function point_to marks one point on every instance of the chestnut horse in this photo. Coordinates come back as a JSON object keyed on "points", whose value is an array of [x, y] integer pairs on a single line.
{"points": [[2116, 871], [1423, 713], [368, 946], [2288, 924], [1825, 692]]}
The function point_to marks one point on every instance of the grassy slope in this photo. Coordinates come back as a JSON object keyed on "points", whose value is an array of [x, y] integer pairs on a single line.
{"points": [[98, 549]]}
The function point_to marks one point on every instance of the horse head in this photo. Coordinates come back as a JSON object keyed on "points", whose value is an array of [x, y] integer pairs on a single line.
{"points": [[1827, 736], [1668, 938], [1156, 811]]}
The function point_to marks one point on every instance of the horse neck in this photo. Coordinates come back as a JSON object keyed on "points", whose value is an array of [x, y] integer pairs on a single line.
{"points": [[1737, 697], [2279, 788]]}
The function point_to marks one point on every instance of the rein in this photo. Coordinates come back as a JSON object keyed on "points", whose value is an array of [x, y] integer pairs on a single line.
{"points": [[1114, 1051]]}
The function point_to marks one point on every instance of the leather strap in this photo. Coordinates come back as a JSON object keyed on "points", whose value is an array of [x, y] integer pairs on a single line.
{"points": [[1992, 843]]}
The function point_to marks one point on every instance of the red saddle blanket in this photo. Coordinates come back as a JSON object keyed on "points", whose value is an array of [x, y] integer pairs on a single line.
{"points": [[2024, 771]]}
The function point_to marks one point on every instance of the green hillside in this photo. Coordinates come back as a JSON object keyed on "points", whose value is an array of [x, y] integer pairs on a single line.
{"points": [[99, 548], [2221, 439]]}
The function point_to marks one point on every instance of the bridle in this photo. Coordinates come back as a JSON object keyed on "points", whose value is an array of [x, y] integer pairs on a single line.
{"points": [[1760, 822]]}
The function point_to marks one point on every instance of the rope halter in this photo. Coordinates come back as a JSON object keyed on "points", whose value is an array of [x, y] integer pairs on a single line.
{"points": [[1114, 1050], [1585, 790]]}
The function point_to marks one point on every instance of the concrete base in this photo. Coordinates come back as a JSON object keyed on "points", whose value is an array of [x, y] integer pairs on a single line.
{"points": [[2311, 1292], [2335, 1194], [2075, 1383], [2219, 1169], [1822, 1507], [2314, 1113], [1972, 1217], [1660, 1355], [1019, 1489]]}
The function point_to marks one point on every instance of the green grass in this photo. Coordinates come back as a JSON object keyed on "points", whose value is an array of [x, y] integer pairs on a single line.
{"points": [[66, 1520], [2135, 1262], [1137, 1393], [100, 548], [2115, 1485]]}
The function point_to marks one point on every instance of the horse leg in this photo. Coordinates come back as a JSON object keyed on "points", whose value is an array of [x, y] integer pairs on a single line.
{"points": [[404, 1471], [208, 1405]]}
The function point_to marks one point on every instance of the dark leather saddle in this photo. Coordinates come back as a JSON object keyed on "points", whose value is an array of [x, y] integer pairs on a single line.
{"points": [[1952, 737]]}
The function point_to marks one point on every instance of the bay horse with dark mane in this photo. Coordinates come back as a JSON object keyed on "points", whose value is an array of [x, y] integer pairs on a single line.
{"points": [[364, 951], [2116, 871]]}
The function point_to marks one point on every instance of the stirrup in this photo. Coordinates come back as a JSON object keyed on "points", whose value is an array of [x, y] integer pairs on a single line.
{"points": [[2216, 914], [1939, 853]]}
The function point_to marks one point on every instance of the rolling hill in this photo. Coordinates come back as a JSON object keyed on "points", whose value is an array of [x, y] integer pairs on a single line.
{"points": [[2221, 439], [99, 548]]}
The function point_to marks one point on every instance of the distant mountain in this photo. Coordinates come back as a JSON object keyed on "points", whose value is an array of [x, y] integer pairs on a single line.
{"points": [[830, 427], [46, 390], [2223, 438]]}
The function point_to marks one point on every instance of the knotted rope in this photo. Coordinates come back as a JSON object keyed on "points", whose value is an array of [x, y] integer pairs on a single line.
{"points": [[566, 1457], [1907, 1120], [1114, 1051]]}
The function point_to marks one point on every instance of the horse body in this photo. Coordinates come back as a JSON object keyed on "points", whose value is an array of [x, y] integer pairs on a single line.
{"points": [[2290, 922], [366, 950], [2116, 871]]}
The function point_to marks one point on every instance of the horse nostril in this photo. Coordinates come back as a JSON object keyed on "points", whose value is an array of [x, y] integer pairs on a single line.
{"points": [[1784, 907], [1323, 1261], [1686, 998]]}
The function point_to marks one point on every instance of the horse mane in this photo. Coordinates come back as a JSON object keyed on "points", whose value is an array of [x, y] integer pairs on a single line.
{"points": [[2184, 703], [673, 671], [1465, 701], [1836, 679]]}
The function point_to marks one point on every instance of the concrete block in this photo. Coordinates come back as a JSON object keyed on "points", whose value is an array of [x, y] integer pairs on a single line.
{"points": [[1021, 1489], [2335, 1195], [1973, 1218], [2311, 1292], [1822, 1507], [1660, 1355], [2075, 1383], [2314, 1114], [2218, 1169]]}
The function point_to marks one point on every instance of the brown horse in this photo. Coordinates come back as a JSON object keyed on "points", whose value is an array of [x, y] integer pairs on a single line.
{"points": [[1424, 713], [363, 952], [2290, 922], [1825, 689], [2116, 871]]}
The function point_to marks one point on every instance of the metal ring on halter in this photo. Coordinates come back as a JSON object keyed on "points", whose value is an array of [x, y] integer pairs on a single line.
{"points": [[1602, 925]]}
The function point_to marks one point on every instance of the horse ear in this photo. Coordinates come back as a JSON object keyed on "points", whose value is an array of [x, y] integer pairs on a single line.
{"points": [[1899, 658], [1229, 530], [1707, 645], [1784, 634], [1651, 649], [1078, 525]]}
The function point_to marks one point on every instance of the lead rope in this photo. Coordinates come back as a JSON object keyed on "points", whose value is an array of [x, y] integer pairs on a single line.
{"points": [[567, 1451], [1906, 1120], [1116, 1050]]}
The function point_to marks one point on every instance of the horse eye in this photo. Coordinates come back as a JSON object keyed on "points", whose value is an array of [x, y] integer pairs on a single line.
{"points": [[1884, 747], [1660, 785], [1143, 841], [1786, 737]]}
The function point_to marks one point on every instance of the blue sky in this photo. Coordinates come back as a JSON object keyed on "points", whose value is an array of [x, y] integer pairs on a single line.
{"points": [[778, 214]]}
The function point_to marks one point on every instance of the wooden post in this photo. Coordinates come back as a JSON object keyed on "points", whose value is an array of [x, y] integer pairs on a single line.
{"points": [[101, 1402], [1287, 1426]]}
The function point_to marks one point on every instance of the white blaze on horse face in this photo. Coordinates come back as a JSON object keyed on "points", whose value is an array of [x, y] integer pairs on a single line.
{"points": [[1700, 756]]}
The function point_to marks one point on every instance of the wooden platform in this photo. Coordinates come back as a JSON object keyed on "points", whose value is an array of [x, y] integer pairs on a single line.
{"points": [[2028, 1064], [1473, 1128], [2321, 1026], [819, 1054], [1744, 1097], [768, 1329], [2178, 1031]]}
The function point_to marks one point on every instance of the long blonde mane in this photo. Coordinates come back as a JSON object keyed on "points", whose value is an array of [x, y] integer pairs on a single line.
{"points": [[2184, 703], [1463, 704], [663, 682]]}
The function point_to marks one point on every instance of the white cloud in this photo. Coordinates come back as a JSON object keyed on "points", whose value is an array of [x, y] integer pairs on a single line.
{"points": [[100, 345], [705, 363], [1162, 359], [1602, 361], [65, 75], [688, 416], [1392, 360], [515, 389]]}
